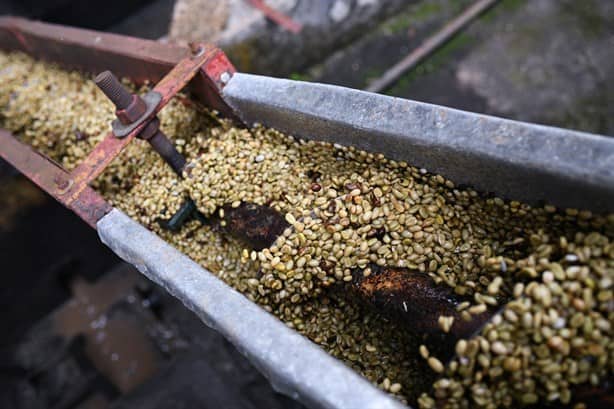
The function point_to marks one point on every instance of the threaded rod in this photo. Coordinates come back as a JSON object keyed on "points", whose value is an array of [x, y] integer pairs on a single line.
{"points": [[113, 89]]}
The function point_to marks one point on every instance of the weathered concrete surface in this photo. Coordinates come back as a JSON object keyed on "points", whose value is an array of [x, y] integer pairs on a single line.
{"points": [[545, 61], [377, 50], [199, 20], [550, 61], [257, 45]]}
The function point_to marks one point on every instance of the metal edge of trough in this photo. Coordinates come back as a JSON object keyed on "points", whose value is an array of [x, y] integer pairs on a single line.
{"points": [[515, 160], [294, 365]]}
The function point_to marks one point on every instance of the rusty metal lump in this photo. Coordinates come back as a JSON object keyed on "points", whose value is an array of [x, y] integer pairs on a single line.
{"points": [[545, 272]]}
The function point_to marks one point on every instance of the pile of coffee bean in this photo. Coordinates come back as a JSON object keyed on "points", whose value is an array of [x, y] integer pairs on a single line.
{"points": [[549, 271]]}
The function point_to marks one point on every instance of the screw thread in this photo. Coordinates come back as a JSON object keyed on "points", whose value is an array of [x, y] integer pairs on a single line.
{"points": [[113, 89]]}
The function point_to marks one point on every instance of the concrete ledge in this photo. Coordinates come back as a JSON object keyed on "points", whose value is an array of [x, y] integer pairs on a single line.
{"points": [[294, 365], [515, 160]]}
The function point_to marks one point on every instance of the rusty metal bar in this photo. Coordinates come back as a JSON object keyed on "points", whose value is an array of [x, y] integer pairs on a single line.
{"points": [[50, 177], [91, 51], [429, 45], [277, 17], [143, 61]]}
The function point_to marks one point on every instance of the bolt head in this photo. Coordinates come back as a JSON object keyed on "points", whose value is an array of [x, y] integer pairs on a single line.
{"points": [[196, 49], [61, 182]]}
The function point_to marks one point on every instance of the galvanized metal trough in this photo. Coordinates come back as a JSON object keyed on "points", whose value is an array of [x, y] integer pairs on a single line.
{"points": [[515, 160]]}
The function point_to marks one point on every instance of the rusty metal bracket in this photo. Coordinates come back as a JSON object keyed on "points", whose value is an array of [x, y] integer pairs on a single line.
{"points": [[72, 188], [107, 150]]}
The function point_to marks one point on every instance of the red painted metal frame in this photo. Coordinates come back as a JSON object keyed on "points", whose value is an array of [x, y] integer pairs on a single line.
{"points": [[201, 69]]}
